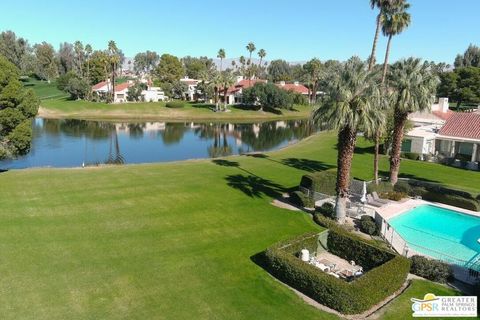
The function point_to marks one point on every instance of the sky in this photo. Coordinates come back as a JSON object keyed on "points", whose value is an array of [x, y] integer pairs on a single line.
{"points": [[286, 29]]}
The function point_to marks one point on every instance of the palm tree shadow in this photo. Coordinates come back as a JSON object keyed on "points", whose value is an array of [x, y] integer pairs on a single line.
{"points": [[255, 186], [306, 164]]}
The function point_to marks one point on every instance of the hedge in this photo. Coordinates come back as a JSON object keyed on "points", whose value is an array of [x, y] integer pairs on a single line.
{"points": [[346, 297], [437, 193], [300, 199], [327, 209], [381, 187], [322, 181], [368, 225], [433, 270]]}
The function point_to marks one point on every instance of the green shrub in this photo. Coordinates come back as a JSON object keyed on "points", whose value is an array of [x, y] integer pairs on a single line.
{"points": [[437, 188], [402, 186], [434, 270], [381, 187], [323, 221], [300, 199], [393, 195], [410, 155], [348, 298], [175, 104], [368, 225], [327, 210], [322, 181], [453, 200]]}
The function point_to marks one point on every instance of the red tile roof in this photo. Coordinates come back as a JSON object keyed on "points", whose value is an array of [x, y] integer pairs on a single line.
{"points": [[462, 125], [299, 88], [443, 115], [99, 85], [243, 84]]}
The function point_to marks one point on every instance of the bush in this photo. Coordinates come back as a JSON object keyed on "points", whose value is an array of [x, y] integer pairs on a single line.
{"points": [[368, 225], [268, 95], [323, 221], [322, 181], [410, 155], [393, 195], [348, 298], [327, 210], [434, 270], [175, 104], [402, 186], [300, 199], [453, 200], [381, 187]]}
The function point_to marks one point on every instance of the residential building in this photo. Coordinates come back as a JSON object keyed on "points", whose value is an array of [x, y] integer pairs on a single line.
{"points": [[235, 92], [295, 87], [153, 94], [121, 90], [191, 93]]}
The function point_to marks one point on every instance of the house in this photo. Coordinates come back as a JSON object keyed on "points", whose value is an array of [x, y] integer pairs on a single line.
{"points": [[153, 94], [191, 93], [121, 90], [235, 92], [295, 87], [450, 137]]}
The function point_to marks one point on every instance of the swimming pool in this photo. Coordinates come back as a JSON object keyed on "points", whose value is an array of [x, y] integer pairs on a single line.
{"points": [[441, 233]]}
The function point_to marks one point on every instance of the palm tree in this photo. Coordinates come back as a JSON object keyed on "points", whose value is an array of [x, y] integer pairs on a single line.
{"points": [[395, 20], [221, 56], [242, 62], [88, 53], [413, 87], [382, 5], [251, 48], [352, 96], [262, 54], [228, 80], [114, 60]]}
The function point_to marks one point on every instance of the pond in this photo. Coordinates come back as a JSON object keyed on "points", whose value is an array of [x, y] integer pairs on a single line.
{"points": [[73, 143]]}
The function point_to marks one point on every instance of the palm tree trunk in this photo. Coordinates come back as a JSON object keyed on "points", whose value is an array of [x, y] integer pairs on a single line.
{"points": [[376, 156], [346, 146], [385, 63], [400, 118], [374, 47]]}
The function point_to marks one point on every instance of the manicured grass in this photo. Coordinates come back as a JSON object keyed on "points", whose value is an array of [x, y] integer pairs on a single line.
{"points": [[399, 308], [45, 90], [171, 241], [64, 108]]}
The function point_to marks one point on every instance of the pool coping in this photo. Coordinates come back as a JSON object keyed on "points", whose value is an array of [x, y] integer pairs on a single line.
{"points": [[395, 209]]}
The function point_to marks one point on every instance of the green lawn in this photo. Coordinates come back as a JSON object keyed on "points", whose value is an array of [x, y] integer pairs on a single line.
{"points": [[45, 90], [164, 241]]}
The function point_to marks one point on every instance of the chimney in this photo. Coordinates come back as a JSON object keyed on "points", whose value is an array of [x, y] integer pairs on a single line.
{"points": [[296, 83], [282, 83], [443, 105]]}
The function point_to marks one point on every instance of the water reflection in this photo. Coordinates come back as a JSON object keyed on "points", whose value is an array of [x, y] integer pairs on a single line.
{"points": [[71, 143]]}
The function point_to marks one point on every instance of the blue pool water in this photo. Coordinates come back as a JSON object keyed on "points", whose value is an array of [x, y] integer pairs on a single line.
{"points": [[441, 233]]}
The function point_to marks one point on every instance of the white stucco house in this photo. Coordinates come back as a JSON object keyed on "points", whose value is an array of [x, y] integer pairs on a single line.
{"points": [[191, 92], [153, 94], [121, 90]]}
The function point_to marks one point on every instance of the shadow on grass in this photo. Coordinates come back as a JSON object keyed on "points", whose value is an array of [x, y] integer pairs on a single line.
{"points": [[257, 155], [306, 164], [226, 163], [260, 260], [365, 150], [254, 186], [202, 105]]}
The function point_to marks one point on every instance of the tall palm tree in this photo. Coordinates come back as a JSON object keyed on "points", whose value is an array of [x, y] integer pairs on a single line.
{"points": [[395, 20], [88, 53], [352, 96], [114, 61], [251, 48], [382, 5], [262, 54], [412, 85], [221, 56]]}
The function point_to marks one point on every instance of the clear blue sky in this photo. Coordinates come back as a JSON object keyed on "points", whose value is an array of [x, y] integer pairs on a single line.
{"points": [[292, 30]]}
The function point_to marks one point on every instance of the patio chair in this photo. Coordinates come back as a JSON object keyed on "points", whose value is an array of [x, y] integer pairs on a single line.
{"points": [[378, 199], [372, 202]]}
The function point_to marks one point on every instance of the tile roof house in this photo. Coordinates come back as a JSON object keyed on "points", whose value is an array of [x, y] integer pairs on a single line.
{"points": [[121, 90], [295, 87]]}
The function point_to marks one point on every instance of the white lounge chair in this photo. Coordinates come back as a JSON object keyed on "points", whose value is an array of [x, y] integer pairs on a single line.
{"points": [[378, 199], [372, 202]]}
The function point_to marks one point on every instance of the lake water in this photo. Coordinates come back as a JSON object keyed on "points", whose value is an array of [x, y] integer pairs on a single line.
{"points": [[72, 143]]}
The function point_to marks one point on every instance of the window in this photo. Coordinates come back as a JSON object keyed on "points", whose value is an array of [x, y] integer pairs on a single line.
{"points": [[407, 145]]}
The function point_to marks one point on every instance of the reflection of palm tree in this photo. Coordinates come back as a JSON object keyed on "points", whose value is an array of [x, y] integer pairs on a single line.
{"points": [[220, 147], [173, 133], [116, 158]]}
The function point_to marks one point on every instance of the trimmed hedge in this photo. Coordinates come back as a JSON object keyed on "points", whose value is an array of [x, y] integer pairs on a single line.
{"points": [[300, 199], [381, 187], [322, 181], [410, 155], [434, 270], [346, 297], [368, 225], [437, 193], [175, 104], [327, 210]]}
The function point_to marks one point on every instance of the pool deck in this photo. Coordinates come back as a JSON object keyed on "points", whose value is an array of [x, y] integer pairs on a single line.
{"points": [[394, 208]]}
